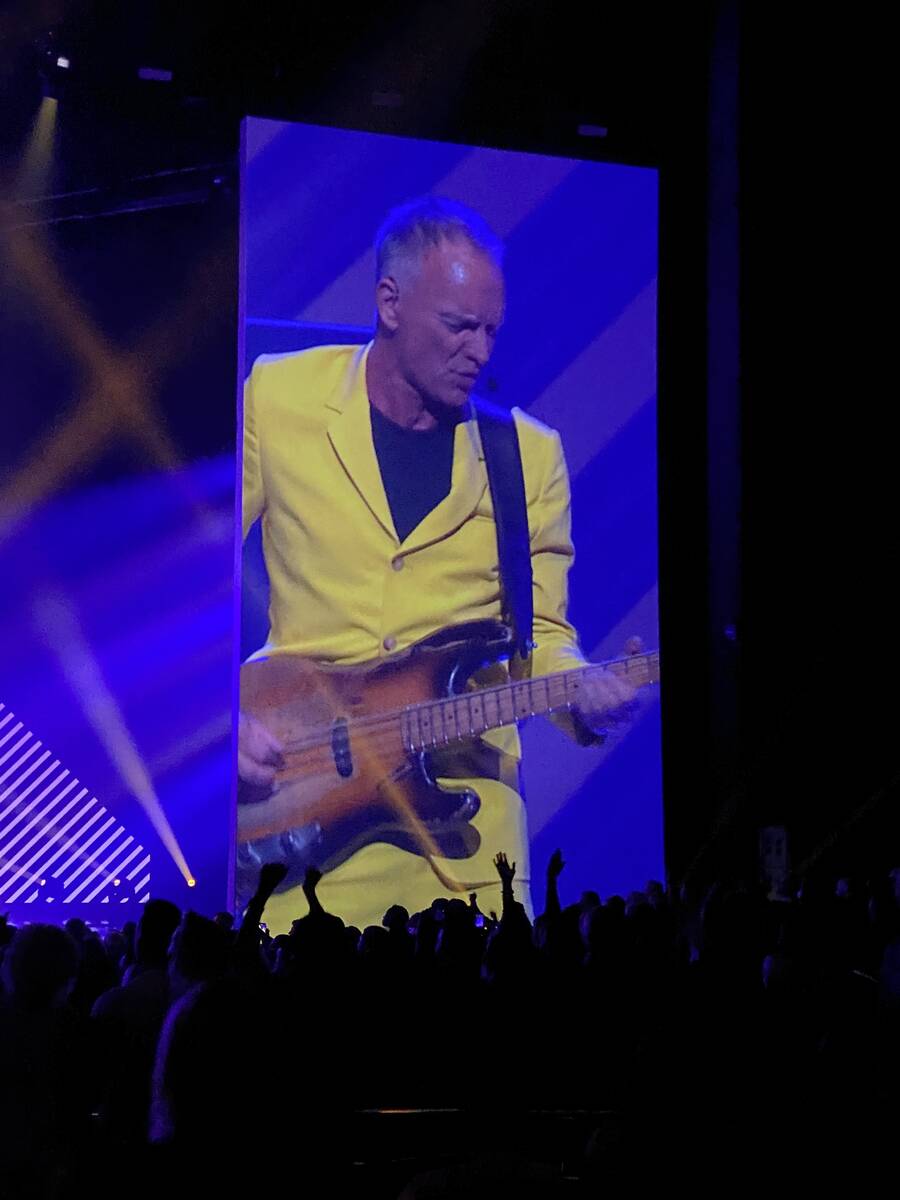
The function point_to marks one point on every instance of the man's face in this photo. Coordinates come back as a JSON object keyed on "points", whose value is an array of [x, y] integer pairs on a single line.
{"points": [[447, 315]]}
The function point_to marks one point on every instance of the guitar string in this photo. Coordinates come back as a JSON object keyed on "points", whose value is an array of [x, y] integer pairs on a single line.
{"points": [[371, 723]]}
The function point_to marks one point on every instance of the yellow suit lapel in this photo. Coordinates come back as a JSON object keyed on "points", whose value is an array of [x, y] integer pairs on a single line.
{"points": [[467, 485], [350, 434]]}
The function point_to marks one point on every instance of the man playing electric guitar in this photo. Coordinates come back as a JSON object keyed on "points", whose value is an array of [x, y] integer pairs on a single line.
{"points": [[366, 466]]}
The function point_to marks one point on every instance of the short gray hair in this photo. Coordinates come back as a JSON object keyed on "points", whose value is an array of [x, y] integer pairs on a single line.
{"points": [[414, 228]]}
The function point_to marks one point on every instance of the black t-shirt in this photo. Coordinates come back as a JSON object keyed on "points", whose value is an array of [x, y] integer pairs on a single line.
{"points": [[416, 468]]}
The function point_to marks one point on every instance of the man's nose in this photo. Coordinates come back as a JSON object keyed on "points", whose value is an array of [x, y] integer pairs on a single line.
{"points": [[480, 348]]}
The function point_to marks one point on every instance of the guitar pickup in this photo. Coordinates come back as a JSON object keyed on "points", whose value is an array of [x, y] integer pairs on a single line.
{"points": [[340, 748]]}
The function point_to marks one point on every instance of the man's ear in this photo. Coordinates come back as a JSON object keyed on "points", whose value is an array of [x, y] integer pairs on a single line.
{"points": [[387, 298]]}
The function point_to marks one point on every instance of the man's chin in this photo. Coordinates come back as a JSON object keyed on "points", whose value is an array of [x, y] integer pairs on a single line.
{"points": [[450, 404], [459, 393]]}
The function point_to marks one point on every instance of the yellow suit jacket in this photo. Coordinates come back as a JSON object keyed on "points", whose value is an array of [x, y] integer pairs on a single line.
{"points": [[345, 589]]}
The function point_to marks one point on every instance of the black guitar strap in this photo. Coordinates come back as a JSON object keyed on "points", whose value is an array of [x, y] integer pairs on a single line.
{"points": [[503, 460]]}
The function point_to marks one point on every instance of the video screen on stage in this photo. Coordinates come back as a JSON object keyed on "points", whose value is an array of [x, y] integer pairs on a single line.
{"points": [[447, 456]]}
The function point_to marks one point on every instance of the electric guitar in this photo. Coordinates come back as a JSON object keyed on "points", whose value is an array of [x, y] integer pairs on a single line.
{"points": [[364, 746]]}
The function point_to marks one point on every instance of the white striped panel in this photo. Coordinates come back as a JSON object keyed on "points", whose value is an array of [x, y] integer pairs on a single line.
{"points": [[70, 841], [43, 849], [12, 732], [14, 750], [116, 870], [17, 800], [30, 861], [47, 845], [27, 877], [139, 867], [26, 883], [92, 858], [7, 829], [36, 820], [18, 763], [18, 781], [82, 847], [120, 867], [143, 883], [144, 898], [101, 868], [44, 867]]}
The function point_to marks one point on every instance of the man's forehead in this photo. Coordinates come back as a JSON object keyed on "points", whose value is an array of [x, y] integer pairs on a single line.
{"points": [[459, 259]]}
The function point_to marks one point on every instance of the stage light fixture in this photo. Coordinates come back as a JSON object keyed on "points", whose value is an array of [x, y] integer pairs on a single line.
{"points": [[54, 62]]}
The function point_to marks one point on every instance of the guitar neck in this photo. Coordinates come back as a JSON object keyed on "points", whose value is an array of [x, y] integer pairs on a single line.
{"points": [[439, 722]]}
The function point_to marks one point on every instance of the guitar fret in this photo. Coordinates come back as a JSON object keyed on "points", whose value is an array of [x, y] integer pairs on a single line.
{"points": [[437, 725], [415, 734], [429, 725]]}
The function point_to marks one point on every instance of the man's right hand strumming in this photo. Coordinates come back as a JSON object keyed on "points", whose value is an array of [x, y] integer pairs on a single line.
{"points": [[259, 752]]}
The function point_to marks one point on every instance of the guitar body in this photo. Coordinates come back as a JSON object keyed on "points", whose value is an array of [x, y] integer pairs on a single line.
{"points": [[347, 778]]}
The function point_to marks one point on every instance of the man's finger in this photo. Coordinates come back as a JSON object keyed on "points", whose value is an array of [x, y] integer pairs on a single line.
{"points": [[254, 772]]}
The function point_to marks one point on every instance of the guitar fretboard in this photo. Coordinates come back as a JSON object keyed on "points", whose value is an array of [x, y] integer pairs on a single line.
{"points": [[440, 722]]}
